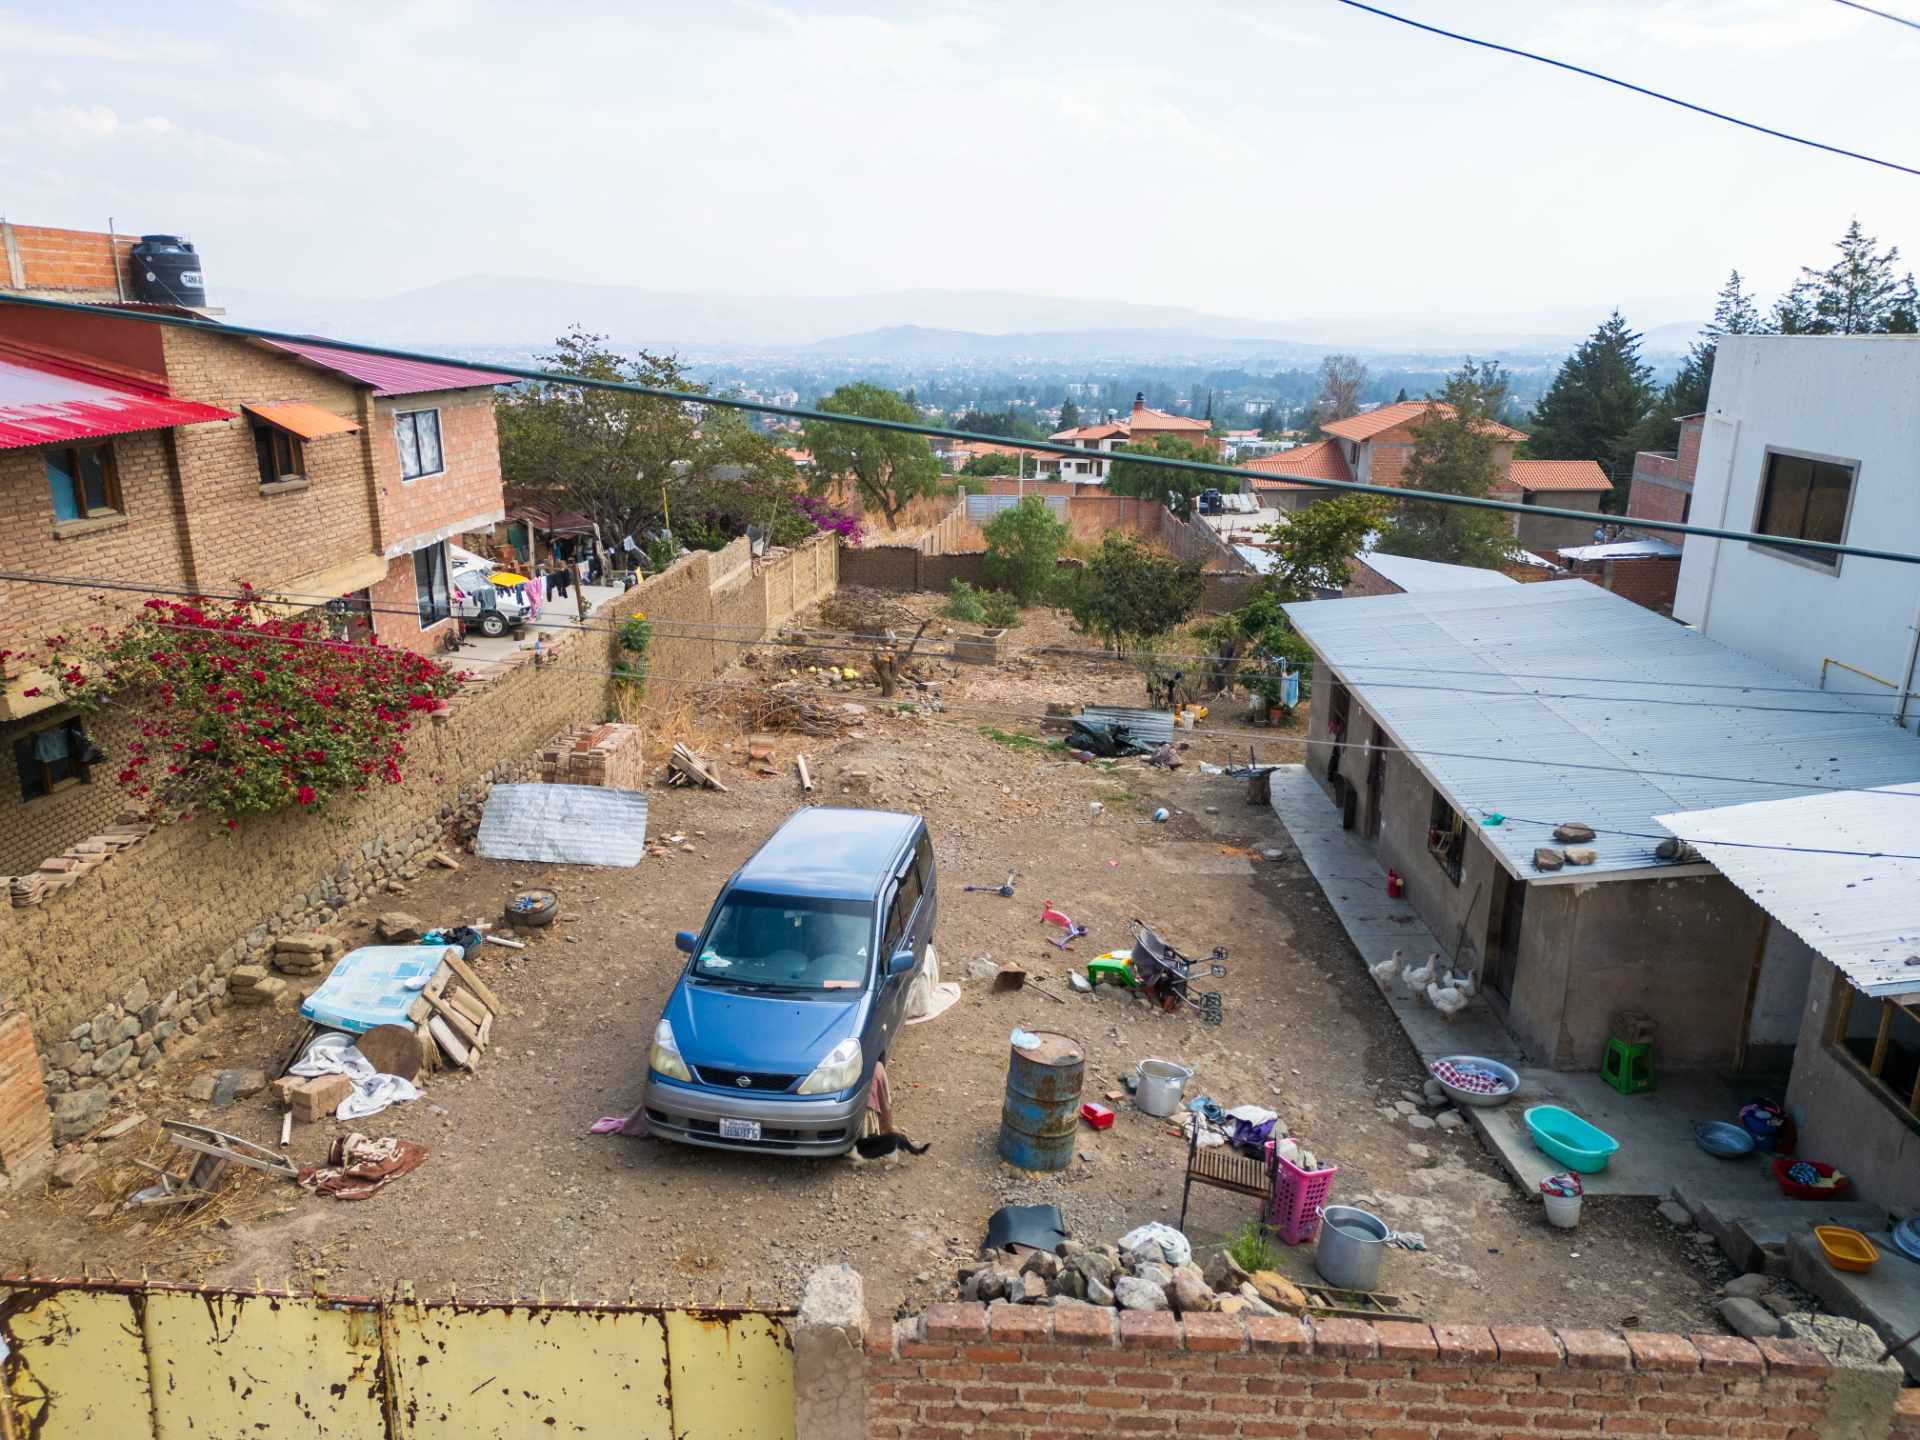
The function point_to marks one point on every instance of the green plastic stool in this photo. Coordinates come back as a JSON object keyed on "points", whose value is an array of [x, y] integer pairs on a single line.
{"points": [[1628, 1066]]}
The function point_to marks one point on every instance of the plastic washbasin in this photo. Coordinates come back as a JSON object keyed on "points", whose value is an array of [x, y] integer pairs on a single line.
{"points": [[1846, 1249], [1569, 1139]]}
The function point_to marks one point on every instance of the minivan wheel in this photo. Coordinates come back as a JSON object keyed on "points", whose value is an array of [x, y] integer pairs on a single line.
{"points": [[492, 624]]}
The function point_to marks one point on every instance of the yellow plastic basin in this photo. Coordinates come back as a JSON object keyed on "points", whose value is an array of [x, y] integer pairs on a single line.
{"points": [[1846, 1249]]}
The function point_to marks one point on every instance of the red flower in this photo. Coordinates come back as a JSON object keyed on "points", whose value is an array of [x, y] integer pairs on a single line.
{"points": [[306, 795]]}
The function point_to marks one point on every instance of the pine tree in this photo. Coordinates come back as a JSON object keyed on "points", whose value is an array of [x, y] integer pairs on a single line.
{"points": [[1597, 405], [1734, 313], [1859, 294], [1455, 453], [1401, 398], [1069, 414]]}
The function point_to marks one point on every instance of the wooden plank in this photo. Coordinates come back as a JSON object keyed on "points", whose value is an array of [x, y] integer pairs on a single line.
{"points": [[459, 1023], [475, 1012], [429, 1052], [449, 1043], [473, 982], [1880, 1040]]}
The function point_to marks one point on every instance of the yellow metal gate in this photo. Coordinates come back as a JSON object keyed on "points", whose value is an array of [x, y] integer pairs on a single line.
{"points": [[88, 1360]]}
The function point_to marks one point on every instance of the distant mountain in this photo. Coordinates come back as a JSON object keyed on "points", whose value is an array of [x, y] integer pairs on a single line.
{"points": [[514, 313]]}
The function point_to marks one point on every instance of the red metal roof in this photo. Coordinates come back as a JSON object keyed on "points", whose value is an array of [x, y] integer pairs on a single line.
{"points": [[392, 377], [43, 402]]}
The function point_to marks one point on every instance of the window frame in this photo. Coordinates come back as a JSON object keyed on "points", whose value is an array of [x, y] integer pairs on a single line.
{"points": [[77, 743], [1447, 837], [1782, 546], [1907, 1107], [109, 476], [274, 439], [412, 417], [423, 593]]}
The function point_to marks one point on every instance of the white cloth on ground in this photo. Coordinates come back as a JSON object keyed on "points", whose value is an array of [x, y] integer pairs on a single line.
{"points": [[334, 1053]]}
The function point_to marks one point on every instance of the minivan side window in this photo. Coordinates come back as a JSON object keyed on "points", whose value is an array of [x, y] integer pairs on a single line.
{"points": [[905, 896], [923, 862]]}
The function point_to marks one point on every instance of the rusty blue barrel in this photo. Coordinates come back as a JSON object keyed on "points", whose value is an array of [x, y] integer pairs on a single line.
{"points": [[1042, 1109]]}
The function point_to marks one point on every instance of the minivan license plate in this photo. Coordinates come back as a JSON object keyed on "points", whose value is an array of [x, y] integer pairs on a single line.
{"points": [[739, 1129]]}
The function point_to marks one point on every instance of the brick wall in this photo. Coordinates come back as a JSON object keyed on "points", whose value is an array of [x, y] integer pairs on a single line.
{"points": [[26, 1133], [31, 830], [76, 262], [1544, 534], [465, 495], [188, 903], [1363, 579], [967, 1370], [1648, 581]]}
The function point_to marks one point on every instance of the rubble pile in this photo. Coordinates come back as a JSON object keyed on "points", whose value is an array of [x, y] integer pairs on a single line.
{"points": [[1143, 1278]]}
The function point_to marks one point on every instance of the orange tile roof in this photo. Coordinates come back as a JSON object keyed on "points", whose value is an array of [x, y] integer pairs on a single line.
{"points": [[1558, 475], [1364, 427], [1109, 430], [1145, 419], [1322, 460]]}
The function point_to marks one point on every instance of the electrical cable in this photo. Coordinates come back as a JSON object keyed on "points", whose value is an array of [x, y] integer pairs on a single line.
{"points": [[1883, 14], [1506, 819], [1636, 89], [1398, 494]]}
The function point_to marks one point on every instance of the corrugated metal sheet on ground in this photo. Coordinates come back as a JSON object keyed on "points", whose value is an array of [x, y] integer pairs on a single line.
{"points": [[1151, 727], [1860, 911], [982, 508], [563, 825], [1504, 691], [41, 403]]}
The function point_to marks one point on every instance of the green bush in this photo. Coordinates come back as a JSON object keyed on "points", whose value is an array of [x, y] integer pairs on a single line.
{"points": [[635, 638], [1000, 610], [1023, 548], [1253, 1249], [965, 603]]}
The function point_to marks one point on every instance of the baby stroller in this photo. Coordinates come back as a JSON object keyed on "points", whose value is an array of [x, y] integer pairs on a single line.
{"points": [[1165, 974]]}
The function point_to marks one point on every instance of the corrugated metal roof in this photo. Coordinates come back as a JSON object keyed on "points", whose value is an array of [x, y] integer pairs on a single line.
{"points": [[1421, 576], [1622, 550], [1461, 673], [1260, 559], [392, 377], [42, 402], [1861, 912], [563, 825], [309, 422], [1150, 727]]}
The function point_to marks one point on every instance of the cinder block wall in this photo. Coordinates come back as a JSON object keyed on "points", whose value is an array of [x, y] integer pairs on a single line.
{"points": [[1015, 1370]]}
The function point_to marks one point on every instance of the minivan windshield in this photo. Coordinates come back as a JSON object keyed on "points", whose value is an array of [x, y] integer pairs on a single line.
{"points": [[788, 942]]}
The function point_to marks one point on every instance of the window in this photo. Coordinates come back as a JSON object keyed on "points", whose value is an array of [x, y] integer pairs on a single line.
{"points": [[1446, 837], [430, 584], [1805, 499], [282, 455], [785, 942], [52, 759], [1881, 1038], [906, 895], [84, 482], [417, 433]]}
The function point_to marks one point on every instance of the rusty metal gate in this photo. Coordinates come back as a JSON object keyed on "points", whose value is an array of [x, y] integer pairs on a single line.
{"points": [[101, 1359]]}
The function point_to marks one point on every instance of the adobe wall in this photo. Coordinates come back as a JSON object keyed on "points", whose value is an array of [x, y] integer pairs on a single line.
{"points": [[1018, 1370]]}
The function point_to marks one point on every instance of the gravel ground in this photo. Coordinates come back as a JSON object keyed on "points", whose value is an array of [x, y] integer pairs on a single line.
{"points": [[518, 1197]]}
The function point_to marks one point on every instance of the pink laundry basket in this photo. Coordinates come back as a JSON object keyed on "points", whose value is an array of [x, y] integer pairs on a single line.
{"points": [[1298, 1196]]}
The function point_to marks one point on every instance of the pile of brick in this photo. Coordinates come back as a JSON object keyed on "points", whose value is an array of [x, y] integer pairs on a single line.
{"points": [[77, 862], [611, 756], [312, 1097], [252, 985], [307, 952]]}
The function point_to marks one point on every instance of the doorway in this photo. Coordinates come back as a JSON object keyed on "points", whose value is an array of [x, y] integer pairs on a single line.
{"points": [[1337, 716], [1503, 954], [1376, 779]]}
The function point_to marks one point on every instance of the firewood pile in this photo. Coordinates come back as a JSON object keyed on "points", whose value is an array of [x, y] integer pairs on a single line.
{"points": [[796, 708]]}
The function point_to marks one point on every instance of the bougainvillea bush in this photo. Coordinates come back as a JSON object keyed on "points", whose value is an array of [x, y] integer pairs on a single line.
{"points": [[240, 711], [832, 519]]}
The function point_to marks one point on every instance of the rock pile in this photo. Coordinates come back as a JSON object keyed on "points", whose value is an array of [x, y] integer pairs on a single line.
{"points": [[1143, 1278], [307, 952], [252, 985]]}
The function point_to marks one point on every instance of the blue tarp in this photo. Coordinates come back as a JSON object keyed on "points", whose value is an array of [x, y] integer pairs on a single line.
{"points": [[368, 987]]}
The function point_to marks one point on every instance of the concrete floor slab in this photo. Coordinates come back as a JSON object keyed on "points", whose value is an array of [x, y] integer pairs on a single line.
{"points": [[1887, 1297], [1658, 1152], [557, 618]]}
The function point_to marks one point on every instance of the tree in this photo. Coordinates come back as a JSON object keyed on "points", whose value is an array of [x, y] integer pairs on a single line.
{"points": [[602, 452], [1401, 398], [1161, 482], [1313, 548], [1596, 405], [1129, 594], [1342, 377], [1069, 414], [889, 469], [1023, 548], [1455, 452], [1271, 423], [1734, 313], [992, 463], [1859, 294]]}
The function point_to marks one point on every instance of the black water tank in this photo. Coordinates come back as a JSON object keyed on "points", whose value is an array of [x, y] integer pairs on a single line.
{"points": [[166, 271]]}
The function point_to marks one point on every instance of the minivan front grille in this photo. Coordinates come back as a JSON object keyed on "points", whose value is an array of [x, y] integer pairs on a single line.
{"points": [[754, 1079]]}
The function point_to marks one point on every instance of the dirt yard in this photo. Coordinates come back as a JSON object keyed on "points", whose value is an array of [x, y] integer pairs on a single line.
{"points": [[518, 1198]]}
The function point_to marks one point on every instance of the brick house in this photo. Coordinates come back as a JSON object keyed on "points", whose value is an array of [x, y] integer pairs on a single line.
{"points": [[194, 460], [1142, 424], [1373, 449], [1662, 487]]}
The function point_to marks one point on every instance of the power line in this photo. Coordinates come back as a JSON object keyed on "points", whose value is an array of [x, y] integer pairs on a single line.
{"points": [[938, 432], [1640, 89], [1883, 14], [1506, 819]]}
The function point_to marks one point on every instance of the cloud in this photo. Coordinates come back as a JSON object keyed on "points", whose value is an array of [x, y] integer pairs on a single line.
{"points": [[1750, 27], [82, 121], [28, 38]]}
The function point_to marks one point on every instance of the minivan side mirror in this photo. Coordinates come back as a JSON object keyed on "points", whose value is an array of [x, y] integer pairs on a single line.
{"points": [[684, 941], [901, 963]]}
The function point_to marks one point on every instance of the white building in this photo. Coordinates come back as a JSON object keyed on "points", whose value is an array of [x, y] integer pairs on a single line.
{"points": [[1813, 437]]}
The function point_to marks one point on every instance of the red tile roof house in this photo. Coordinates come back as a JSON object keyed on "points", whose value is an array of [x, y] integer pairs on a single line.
{"points": [[1142, 425], [1374, 448], [191, 459]]}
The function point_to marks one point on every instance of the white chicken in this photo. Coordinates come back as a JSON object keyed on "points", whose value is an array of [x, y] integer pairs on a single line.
{"points": [[1419, 979], [1388, 968], [1466, 987], [1446, 999]]}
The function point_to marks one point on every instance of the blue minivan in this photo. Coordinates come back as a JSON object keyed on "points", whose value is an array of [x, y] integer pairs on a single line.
{"points": [[796, 987]]}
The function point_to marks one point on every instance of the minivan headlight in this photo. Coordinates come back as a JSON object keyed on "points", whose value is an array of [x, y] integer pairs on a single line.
{"points": [[839, 1071], [664, 1058]]}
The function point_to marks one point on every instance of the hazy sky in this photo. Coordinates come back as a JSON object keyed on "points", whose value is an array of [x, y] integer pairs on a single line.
{"points": [[1284, 159]]}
